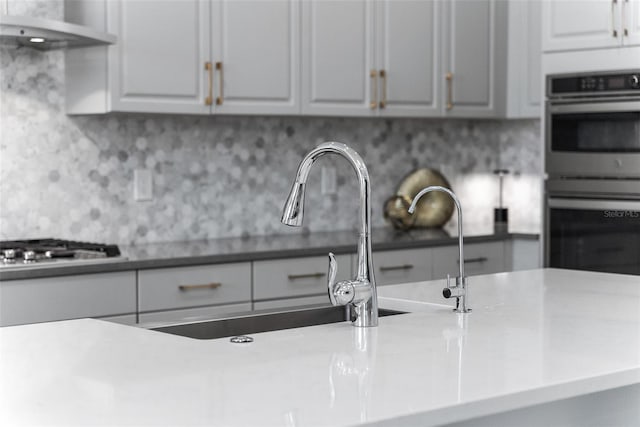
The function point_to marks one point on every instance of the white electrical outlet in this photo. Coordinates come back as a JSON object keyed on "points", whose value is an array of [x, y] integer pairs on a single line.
{"points": [[142, 185], [329, 179]]}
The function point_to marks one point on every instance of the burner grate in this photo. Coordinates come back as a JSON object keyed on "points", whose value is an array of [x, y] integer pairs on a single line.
{"points": [[45, 245]]}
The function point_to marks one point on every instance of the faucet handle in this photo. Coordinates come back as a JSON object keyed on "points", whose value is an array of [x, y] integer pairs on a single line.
{"points": [[454, 291], [331, 277], [340, 293], [446, 292]]}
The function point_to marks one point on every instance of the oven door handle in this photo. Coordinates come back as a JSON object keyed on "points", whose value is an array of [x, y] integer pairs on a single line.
{"points": [[615, 105], [617, 205]]}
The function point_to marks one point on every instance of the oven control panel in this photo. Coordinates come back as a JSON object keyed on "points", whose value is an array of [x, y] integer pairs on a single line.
{"points": [[594, 84]]}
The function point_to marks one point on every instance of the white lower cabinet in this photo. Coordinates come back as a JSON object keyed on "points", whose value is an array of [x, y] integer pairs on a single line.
{"points": [[402, 266], [182, 294], [68, 297], [295, 277], [163, 292], [479, 258]]}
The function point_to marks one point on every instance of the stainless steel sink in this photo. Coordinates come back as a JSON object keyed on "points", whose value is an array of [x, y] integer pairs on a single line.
{"points": [[254, 323]]}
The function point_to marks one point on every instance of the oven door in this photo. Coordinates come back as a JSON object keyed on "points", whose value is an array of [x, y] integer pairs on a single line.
{"points": [[593, 234], [597, 139]]}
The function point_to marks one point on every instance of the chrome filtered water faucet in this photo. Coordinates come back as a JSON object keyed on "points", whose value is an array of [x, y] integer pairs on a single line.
{"points": [[459, 291], [359, 293]]}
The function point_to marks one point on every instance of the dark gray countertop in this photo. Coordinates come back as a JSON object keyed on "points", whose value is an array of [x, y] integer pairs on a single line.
{"points": [[217, 251]]}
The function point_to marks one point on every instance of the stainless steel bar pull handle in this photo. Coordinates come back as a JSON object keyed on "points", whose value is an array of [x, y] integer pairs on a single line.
{"points": [[185, 288], [626, 18], [613, 17], [383, 77], [373, 74], [305, 276], [475, 260], [449, 77], [209, 67], [220, 98], [396, 267]]}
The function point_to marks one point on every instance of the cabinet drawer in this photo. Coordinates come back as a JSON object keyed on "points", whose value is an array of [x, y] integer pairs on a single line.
{"points": [[480, 258], [67, 297], [182, 287], [148, 320], [295, 276], [403, 266]]}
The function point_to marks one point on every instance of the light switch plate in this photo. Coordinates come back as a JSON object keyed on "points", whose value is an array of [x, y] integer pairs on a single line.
{"points": [[142, 185]]}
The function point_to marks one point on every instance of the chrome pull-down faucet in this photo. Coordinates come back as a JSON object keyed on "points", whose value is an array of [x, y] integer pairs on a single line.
{"points": [[459, 291], [360, 293]]}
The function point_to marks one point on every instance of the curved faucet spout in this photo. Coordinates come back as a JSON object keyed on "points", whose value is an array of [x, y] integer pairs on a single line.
{"points": [[460, 290], [426, 190], [365, 302], [294, 208]]}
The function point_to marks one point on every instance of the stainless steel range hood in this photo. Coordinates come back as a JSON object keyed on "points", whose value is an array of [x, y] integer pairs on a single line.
{"points": [[45, 34]]}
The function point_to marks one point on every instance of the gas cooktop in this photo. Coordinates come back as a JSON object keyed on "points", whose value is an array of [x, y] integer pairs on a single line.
{"points": [[54, 252]]}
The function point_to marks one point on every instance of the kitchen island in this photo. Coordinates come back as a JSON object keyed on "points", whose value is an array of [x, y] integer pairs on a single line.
{"points": [[540, 347]]}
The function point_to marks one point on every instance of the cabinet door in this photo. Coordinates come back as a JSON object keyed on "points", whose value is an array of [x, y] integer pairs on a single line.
{"points": [[255, 48], [474, 57], [407, 52], [157, 65], [631, 22], [531, 87], [67, 297], [524, 83], [579, 24], [337, 58]]}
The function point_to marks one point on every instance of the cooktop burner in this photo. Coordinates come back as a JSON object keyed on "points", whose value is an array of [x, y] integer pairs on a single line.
{"points": [[47, 251]]}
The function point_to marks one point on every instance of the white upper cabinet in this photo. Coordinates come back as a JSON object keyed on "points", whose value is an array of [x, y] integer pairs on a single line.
{"points": [[255, 47], [474, 58], [158, 64], [190, 57], [338, 71], [407, 49], [524, 82], [631, 16], [369, 58], [579, 24], [383, 58]]}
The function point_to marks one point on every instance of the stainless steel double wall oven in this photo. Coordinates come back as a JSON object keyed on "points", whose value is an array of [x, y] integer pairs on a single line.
{"points": [[592, 161]]}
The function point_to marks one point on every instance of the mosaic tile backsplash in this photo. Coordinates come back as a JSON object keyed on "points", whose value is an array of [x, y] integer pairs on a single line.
{"points": [[222, 176]]}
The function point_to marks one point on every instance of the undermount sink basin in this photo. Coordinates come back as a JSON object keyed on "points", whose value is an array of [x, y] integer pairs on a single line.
{"points": [[254, 323]]}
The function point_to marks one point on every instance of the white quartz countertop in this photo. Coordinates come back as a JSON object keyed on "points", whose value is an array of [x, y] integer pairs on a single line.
{"points": [[533, 337]]}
